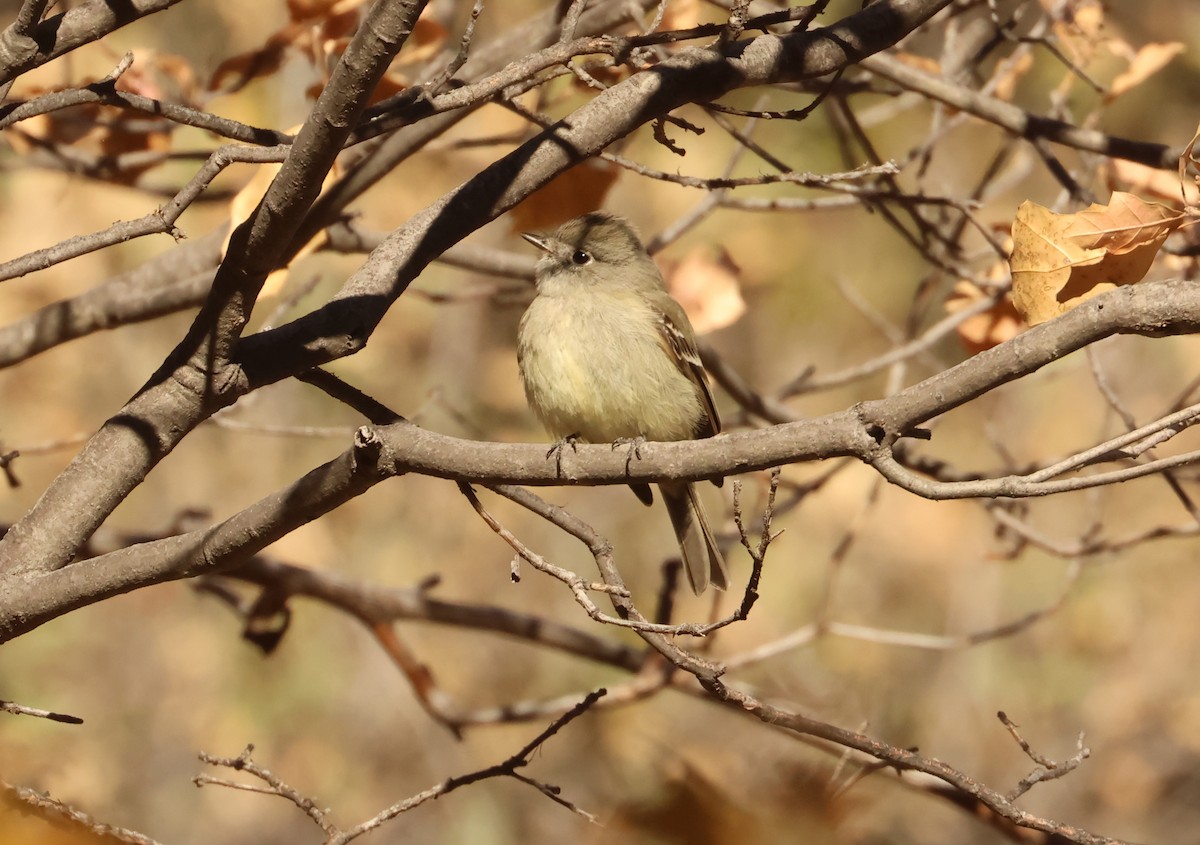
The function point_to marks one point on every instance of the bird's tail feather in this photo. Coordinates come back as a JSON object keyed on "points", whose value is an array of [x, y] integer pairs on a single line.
{"points": [[701, 558]]}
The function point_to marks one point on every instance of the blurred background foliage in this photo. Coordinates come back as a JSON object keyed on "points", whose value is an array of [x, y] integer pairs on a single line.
{"points": [[162, 674]]}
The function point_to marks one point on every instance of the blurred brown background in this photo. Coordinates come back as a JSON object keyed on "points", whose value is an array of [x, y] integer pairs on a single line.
{"points": [[162, 674]]}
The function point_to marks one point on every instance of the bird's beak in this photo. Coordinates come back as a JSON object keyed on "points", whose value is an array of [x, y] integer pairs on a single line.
{"points": [[540, 241]]}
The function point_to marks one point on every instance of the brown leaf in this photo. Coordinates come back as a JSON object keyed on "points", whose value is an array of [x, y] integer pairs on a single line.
{"points": [[428, 37], [100, 136], [578, 191], [1141, 179], [246, 201], [681, 14], [982, 331], [1188, 157], [1059, 260], [708, 288], [927, 64], [307, 10], [163, 76], [313, 22], [236, 72], [1078, 28], [1148, 61], [1009, 74]]}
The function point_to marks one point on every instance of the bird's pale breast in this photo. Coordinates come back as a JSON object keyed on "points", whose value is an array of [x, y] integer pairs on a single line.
{"points": [[599, 370]]}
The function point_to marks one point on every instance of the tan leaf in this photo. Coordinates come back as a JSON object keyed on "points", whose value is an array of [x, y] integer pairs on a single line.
{"points": [[313, 22], [1144, 180], [1148, 61], [708, 288], [578, 191], [982, 331], [1059, 260], [99, 134], [339, 26], [246, 201], [681, 14], [307, 10], [1078, 28], [428, 37], [163, 76], [236, 72], [1009, 74], [930, 65], [1188, 156]]}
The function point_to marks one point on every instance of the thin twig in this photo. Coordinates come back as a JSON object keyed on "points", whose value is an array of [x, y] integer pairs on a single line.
{"points": [[1047, 769]]}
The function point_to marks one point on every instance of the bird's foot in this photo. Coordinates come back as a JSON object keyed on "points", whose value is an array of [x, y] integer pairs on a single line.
{"points": [[634, 445], [556, 451]]}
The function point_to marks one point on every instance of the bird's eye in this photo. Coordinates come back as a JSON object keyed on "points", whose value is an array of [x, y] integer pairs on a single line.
{"points": [[580, 257]]}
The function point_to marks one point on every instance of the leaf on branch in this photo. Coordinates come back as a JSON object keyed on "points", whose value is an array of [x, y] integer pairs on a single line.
{"points": [[709, 289], [426, 40], [108, 142], [1146, 62], [1059, 260]]}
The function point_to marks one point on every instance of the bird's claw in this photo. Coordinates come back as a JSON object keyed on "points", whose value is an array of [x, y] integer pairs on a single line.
{"points": [[635, 448], [556, 451]]}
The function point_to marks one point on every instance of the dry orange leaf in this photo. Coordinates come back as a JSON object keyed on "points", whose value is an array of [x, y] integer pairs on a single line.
{"points": [[982, 331], [709, 289], [1188, 158], [163, 76], [313, 22], [236, 72], [931, 66], [681, 14], [1078, 28], [100, 133], [246, 201], [1149, 181], [428, 37], [1009, 74], [578, 191], [1059, 260], [1148, 61], [306, 10]]}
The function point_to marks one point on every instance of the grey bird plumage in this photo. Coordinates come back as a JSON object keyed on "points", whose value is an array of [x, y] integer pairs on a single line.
{"points": [[606, 355]]}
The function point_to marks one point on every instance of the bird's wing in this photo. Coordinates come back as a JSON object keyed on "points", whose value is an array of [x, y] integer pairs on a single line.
{"points": [[680, 341]]}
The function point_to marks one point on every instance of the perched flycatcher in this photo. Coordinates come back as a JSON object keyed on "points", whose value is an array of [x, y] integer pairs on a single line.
{"points": [[607, 356]]}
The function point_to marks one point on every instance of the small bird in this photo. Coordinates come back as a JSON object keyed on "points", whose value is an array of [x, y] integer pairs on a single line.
{"points": [[607, 356]]}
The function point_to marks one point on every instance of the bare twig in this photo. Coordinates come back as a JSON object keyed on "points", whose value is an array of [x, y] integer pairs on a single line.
{"points": [[274, 785], [25, 800], [1046, 769], [22, 710]]}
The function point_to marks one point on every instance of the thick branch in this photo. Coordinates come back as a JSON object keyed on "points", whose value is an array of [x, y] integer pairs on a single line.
{"points": [[196, 379], [1018, 121], [694, 75], [63, 33], [866, 432]]}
